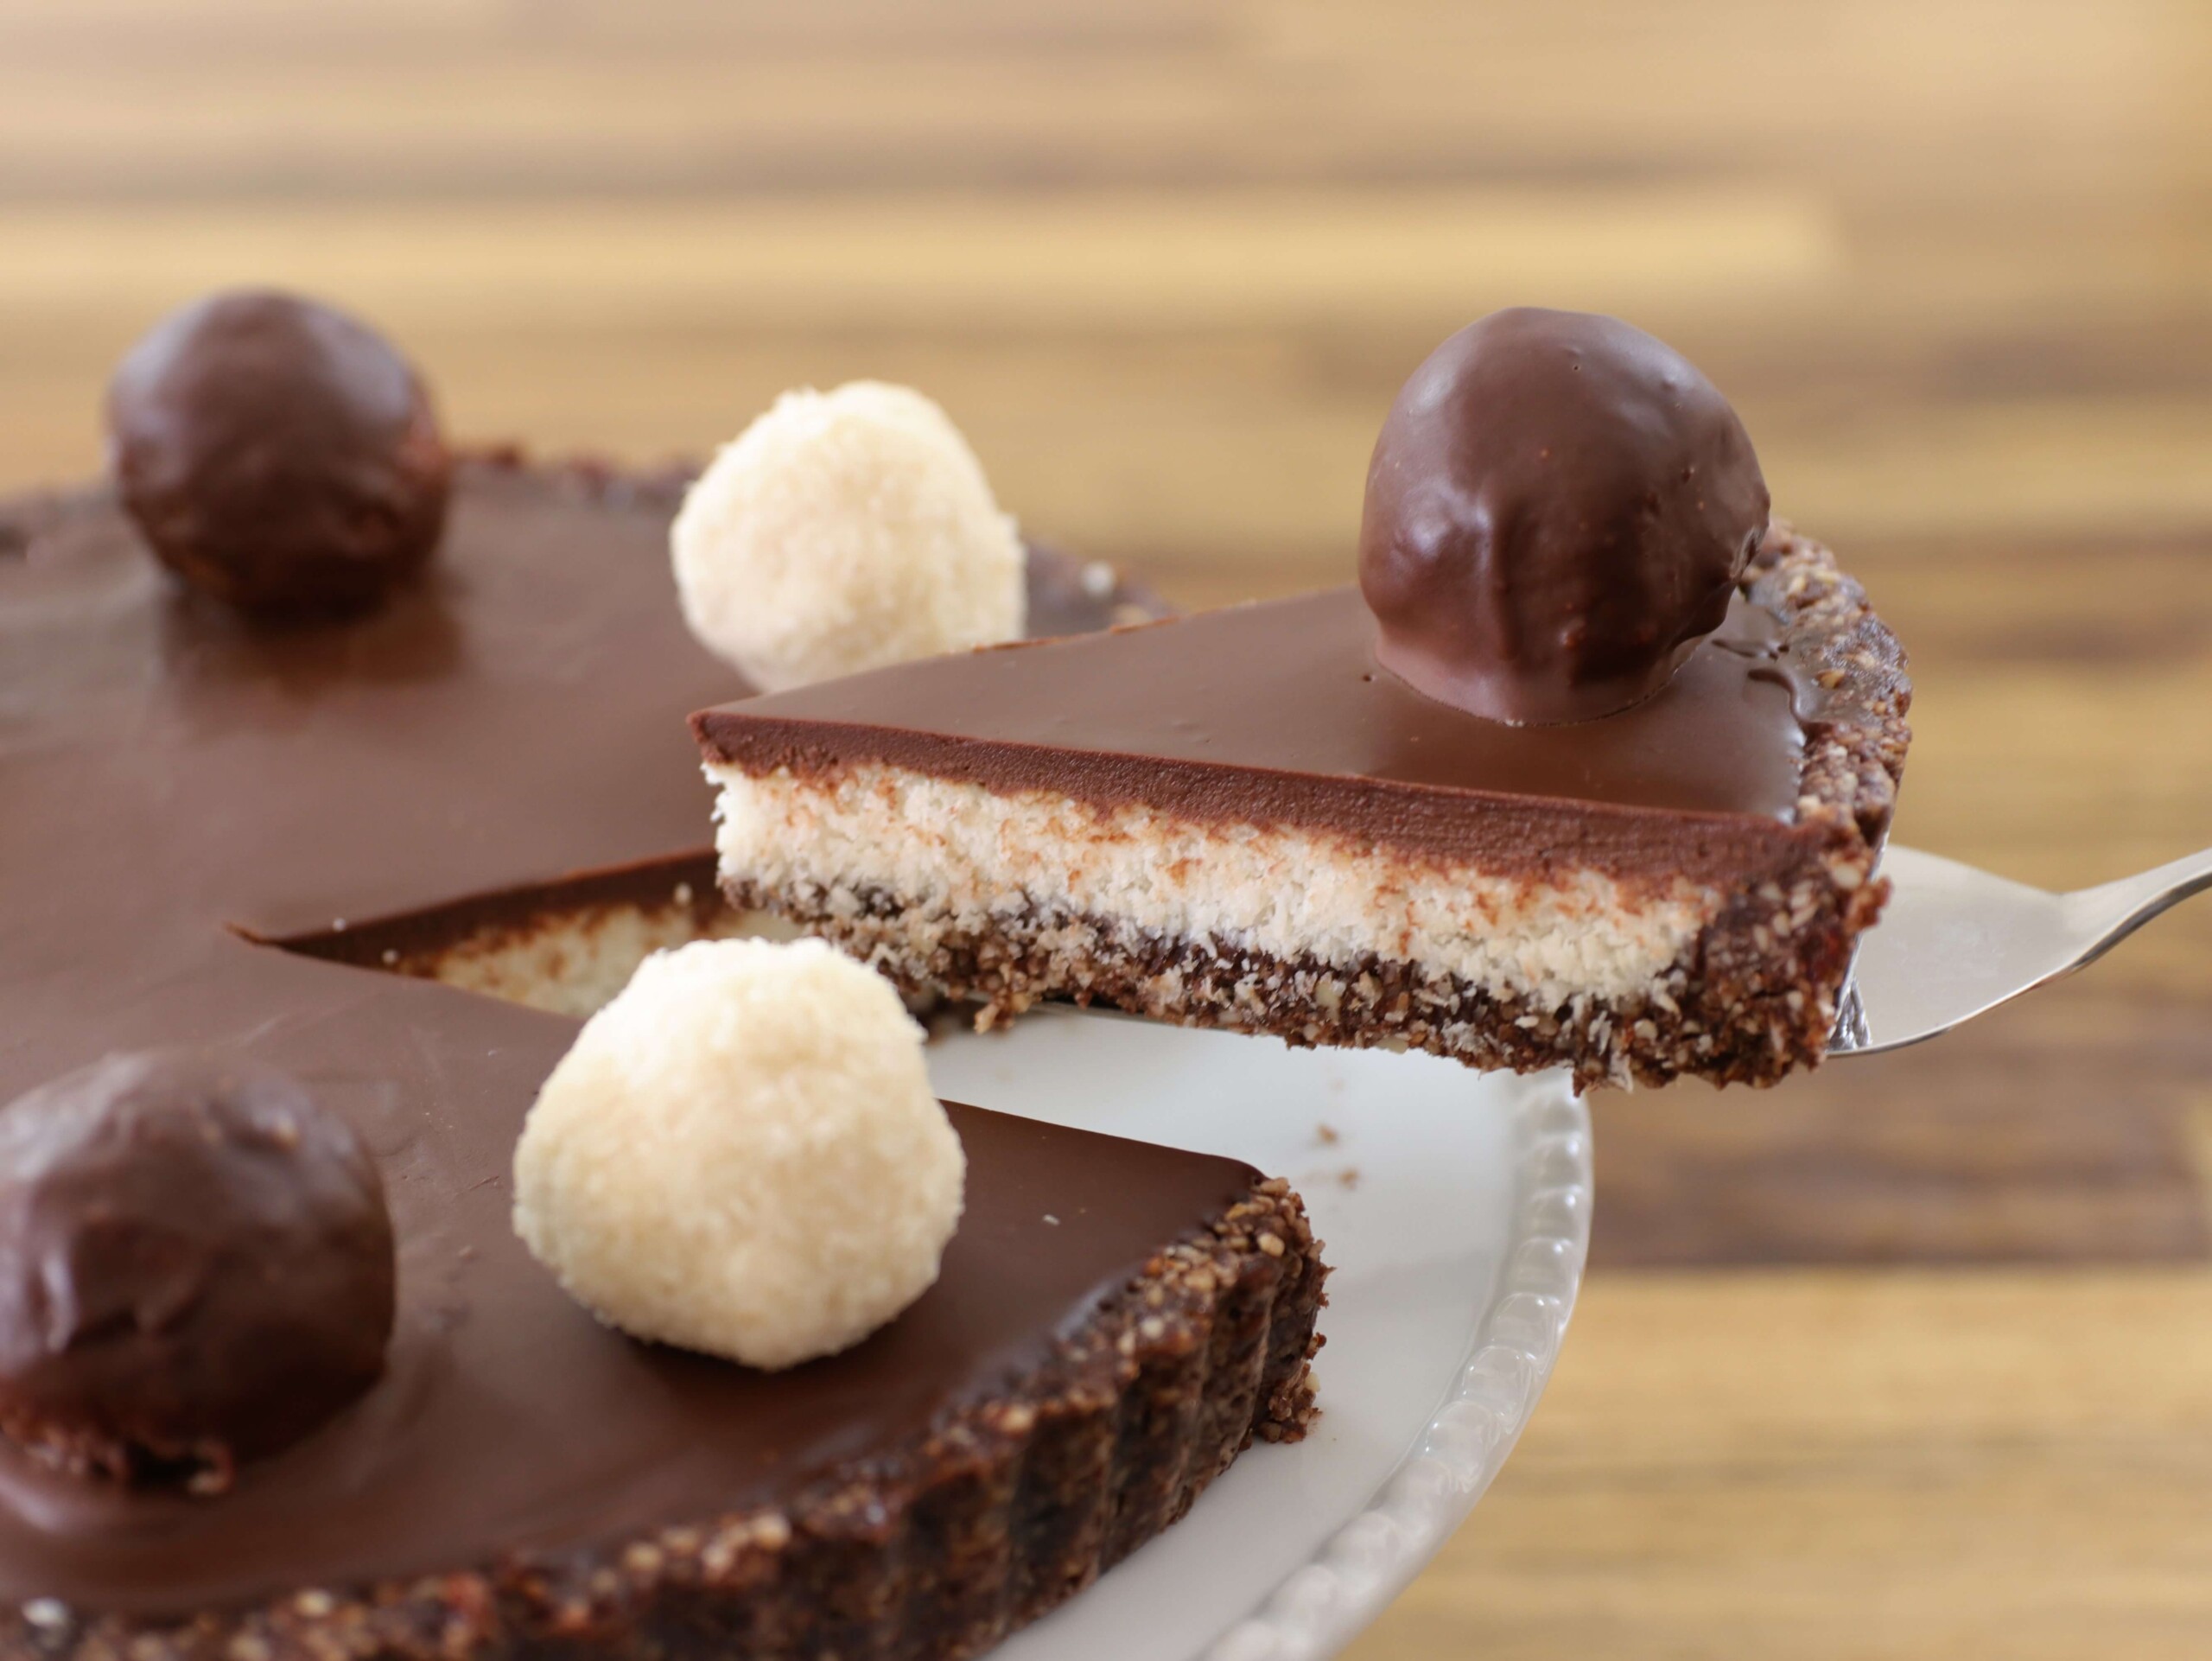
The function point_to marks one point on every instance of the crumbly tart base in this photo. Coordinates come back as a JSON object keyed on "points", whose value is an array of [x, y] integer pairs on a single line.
{"points": [[1748, 1017], [1004, 1510], [1750, 996]]}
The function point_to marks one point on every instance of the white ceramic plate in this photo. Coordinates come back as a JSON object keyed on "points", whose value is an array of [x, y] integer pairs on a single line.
{"points": [[1455, 1206]]}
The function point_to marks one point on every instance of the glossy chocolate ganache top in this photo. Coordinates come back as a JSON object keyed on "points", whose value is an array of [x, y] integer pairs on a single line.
{"points": [[1280, 713], [173, 775]]}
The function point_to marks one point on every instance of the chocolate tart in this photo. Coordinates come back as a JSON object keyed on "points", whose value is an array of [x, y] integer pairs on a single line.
{"points": [[1114, 1322], [1239, 819]]}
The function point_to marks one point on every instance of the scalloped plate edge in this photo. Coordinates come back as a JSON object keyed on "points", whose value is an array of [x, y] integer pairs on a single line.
{"points": [[1322, 1606]]}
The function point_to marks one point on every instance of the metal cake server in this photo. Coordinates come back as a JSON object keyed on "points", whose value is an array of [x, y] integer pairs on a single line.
{"points": [[1955, 942]]}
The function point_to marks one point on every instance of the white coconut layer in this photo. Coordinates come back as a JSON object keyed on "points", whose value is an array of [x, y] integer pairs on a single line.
{"points": [[574, 963], [959, 854]]}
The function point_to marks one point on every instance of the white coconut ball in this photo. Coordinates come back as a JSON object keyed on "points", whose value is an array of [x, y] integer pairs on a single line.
{"points": [[844, 530], [741, 1154]]}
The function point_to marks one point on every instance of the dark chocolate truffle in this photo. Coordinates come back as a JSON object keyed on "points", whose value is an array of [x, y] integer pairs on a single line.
{"points": [[196, 1268], [1557, 513], [277, 454]]}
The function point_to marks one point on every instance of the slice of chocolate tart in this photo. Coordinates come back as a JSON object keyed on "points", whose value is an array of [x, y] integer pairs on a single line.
{"points": [[1240, 820], [1591, 770]]}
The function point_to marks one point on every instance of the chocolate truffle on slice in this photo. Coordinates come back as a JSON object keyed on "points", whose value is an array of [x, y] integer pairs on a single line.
{"points": [[1559, 509], [278, 453], [196, 1268]]}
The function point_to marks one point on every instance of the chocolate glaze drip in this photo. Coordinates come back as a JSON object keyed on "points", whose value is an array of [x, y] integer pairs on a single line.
{"points": [[172, 773]]}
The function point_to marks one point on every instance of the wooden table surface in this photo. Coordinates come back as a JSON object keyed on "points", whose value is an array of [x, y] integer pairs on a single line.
{"points": [[1910, 1357]]}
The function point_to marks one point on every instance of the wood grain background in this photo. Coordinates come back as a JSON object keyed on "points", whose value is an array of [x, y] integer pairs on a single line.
{"points": [[1907, 1358]]}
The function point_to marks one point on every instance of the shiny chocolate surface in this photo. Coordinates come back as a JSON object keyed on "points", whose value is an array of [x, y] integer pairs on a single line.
{"points": [[1278, 713]]}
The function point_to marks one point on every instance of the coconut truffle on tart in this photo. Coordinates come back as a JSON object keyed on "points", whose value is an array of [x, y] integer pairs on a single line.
{"points": [[1590, 771], [485, 741]]}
